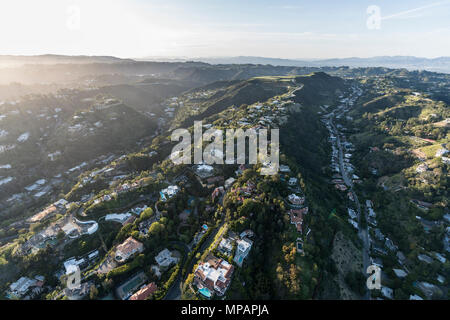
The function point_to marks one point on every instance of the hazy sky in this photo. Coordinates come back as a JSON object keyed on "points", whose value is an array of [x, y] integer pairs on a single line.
{"points": [[193, 28]]}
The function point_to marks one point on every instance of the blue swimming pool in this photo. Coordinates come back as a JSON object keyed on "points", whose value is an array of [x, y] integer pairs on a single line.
{"points": [[205, 292]]}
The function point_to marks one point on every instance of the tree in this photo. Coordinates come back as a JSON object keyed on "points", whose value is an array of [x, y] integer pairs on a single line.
{"points": [[93, 294], [147, 213]]}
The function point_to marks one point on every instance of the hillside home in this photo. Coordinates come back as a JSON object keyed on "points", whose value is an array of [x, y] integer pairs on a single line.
{"points": [[127, 249], [242, 250], [425, 258], [165, 258], [296, 217], [296, 200], [145, 292], [214, 274], [225, 246]]}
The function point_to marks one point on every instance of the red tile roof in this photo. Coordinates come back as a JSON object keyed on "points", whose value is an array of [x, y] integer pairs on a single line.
{"points": [[145, 292], [297, 218]]}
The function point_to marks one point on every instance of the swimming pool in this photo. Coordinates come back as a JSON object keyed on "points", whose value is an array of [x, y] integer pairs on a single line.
{"points": [[205, 292]]}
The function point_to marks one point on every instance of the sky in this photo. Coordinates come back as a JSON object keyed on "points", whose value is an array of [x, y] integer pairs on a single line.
{"points": [[291, 29]]}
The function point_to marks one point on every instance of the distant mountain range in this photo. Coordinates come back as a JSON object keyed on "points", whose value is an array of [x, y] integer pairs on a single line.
{"points": [[12, 60], [440, 64]]}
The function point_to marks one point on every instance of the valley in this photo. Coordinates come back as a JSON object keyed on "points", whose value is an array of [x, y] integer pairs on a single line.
{"points": [[87, 184]]}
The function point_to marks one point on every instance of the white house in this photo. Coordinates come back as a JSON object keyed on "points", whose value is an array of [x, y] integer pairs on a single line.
{"points": [[387, 292], [242, 250], [165, 258]]}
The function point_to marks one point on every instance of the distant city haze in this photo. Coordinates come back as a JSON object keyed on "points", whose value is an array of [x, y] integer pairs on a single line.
{"points": [[211, 28]]}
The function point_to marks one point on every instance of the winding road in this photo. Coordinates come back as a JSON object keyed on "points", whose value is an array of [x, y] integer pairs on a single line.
{"points": [[362, 232]]}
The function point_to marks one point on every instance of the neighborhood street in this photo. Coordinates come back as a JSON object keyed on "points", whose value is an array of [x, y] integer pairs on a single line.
{"points": [[362, 232]]}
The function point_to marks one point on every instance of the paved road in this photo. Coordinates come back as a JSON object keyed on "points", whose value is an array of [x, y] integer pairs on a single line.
{"points": [[362, 233], [348, 182], [174, 293]]}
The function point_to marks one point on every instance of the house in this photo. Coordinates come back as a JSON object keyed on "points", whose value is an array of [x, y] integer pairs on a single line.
{"points": [[71, 265], [296, 200], [297, 219], [340, 187], [390, 245], [121, 217], [401, 257], [387, 292], [61, 203], [441, 152], [93, 255], [428, 289], [145, 292], [400, 273], [138, 210], [204, 170], [379, 235], [145, 225], [229, 182], [284, 168], [225, 246], [156, 271], [372, 221], [214, 274], [247, 233], [447, 217], [425, 258], [242, 250], [415, 297], [379, 250], [21, 286], [440, 257], [377, 262], [446, 242], [213, 181], [350, 196], [352, 213], [353, 223], [421, 168], [165, 258], [169, 192], [422, 204], [127, 249], [129, 220], [292, 181]]}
